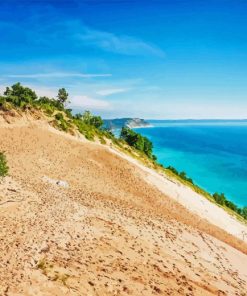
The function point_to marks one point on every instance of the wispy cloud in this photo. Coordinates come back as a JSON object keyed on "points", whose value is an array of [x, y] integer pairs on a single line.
{"points": [[72, 36], [79, 35], [111, 91], [121, 44], [88, 102], [57, 75]]}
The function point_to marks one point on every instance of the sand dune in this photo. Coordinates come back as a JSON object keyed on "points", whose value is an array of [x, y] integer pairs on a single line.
{"points": [[109, 231]]}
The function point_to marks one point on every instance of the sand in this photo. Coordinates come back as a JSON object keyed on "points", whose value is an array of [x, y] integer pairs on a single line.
{"points": [[114, 229], [193, 201]]}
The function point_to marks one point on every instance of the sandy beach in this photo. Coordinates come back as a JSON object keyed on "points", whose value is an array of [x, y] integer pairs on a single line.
{"points": [[193, 201], [80, 218]]}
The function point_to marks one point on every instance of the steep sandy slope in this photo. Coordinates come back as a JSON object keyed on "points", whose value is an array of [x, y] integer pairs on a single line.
{"points": [[109, 233]]}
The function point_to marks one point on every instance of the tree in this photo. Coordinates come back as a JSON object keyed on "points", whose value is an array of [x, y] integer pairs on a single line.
{"points": [[90, 119], [19, 95], [244, 212], [78, 116], [63, 96], [96, 121], [219, 198], [137, 141], [172, 169], [87, 116], [148, 147], [231, 205]]}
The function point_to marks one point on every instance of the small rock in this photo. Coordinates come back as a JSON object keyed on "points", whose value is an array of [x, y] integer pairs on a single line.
{"points": [[62, 184], [44, 249]]}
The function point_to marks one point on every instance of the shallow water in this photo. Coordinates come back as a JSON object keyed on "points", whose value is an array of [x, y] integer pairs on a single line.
{"points": [[213, 154]]}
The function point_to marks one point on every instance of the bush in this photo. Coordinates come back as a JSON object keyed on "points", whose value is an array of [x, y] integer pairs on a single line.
{"points": [[219, 198], [49, 106], [88, 118], [62, 123], [3, 165], [244, 212], [154, 157], [137, 141], [96, 121], [222, 200], [20, 96], [182, 175], [68, 112], [87, 130], [59, 116], [102, 140]]}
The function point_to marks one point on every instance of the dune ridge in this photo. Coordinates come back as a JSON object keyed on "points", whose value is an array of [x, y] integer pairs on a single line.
{"points": [[113, 231]]}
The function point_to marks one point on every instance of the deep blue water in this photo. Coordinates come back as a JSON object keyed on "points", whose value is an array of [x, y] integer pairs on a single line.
{"points": [[213, 154]]}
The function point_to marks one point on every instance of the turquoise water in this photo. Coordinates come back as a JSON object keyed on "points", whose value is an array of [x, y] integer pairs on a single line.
{"points": [[213, 154]]}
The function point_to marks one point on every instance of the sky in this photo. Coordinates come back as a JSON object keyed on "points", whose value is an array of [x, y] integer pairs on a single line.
{"points": [[155, 59]]}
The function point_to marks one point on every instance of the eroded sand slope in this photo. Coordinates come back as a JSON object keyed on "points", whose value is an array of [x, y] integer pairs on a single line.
{"points": [[109, 233]]}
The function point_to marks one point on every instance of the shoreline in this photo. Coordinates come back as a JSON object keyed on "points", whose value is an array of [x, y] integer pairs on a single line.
{"points": [[142, 126], [206, 165], [192, 201], [184, 195], [89, 211]]}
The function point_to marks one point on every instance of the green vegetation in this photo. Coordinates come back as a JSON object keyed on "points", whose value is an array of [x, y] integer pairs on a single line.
{"points": [[48, 270], [223, 201], [23, 98], [63, 96], [3, 165], [18, 97], [182, 175], [218, 198], [90, 119], [137, 141]]}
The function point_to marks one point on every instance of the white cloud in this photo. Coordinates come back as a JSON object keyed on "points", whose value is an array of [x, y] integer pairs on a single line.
{"points": [[57, 75], [45, 91], [111, 91], [118, 44], [90, 103], [83, 101]]}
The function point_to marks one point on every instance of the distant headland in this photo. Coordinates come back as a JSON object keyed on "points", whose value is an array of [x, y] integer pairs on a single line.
{"points": [[118, 123]]}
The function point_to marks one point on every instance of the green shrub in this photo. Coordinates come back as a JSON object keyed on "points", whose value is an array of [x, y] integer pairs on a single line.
{"points": [[137, 141], [63, 96], [20, 96], [223, 201], [219, 198], [43, 102], [3, 165], [63, 125], [182, 175], [89, 131], [2, 101], [4, 105], [108, 134], [244, 212], [88, 118], [96, 121], [48, 109], [89, 135], [59, 116], [102, 140], [68, 112]]}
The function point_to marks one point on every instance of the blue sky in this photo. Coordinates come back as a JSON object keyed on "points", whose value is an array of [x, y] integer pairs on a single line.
{"points": [[120, 58]]}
